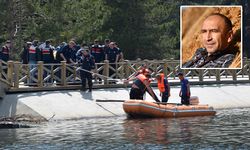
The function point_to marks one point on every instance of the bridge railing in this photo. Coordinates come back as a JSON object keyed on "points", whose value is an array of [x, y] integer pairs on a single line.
{"points": [[62, 74]]}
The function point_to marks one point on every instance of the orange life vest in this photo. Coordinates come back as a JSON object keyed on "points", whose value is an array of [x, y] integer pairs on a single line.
{"points": [[161, 85], [141, 77], [139, 82]]}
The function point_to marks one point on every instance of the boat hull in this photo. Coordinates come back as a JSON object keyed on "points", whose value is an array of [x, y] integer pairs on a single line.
{"points": [[140, 108]]}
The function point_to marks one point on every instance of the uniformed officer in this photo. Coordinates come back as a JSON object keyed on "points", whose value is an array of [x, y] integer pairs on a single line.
{"points": [[5, 51], [87, 63], [47, 53], [47, 57]]}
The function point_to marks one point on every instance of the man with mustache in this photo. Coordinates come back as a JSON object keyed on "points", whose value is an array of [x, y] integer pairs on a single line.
{"points": [[216, 33]]}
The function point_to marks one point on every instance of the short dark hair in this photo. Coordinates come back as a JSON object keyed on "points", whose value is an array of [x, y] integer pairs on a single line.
{"points": [[225, 18], [107, 40], [180, 74]]}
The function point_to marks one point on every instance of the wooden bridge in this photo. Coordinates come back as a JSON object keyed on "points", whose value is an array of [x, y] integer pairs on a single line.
{"points": [[38, 77]]}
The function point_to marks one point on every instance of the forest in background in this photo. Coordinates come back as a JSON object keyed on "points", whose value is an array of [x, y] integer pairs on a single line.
{"points": [[147, 29]]}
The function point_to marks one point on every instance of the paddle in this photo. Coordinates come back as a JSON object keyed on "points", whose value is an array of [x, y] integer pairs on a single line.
{"points": [[154, 95], [109, 100]]}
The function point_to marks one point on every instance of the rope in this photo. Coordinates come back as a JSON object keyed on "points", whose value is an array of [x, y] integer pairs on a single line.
{"points": [[95, 73]]}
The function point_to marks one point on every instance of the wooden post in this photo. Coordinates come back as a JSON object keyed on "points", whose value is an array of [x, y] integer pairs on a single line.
{"points": [[122, 72], [146, 62], [165, 67], [106, 71], [63, 73], [40, 73], [127, 69], [217, 74], [234, 75], [138, 64], [248, 70], [201, 71], [10, 65], [1, 69], [16, 74], [74, 72], [52, 73]]}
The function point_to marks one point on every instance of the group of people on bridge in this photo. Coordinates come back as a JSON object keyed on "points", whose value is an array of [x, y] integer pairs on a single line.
{"points": [[87, 56], [71, 52]]}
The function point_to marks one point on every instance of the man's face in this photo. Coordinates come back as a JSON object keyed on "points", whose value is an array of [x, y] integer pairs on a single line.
{"points": [[215, 35], [85, 53], [71, 45], [181, 77], [8, 44], [111, 45]]}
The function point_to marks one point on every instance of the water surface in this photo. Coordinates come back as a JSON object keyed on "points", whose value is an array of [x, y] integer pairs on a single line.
{"points": [[229, 129]]}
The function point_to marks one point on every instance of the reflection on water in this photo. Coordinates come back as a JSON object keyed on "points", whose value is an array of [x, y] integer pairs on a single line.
{"points": [[229, 129]]}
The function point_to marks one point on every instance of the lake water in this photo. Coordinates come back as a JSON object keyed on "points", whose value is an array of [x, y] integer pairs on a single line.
{"points": [[229, 129]]}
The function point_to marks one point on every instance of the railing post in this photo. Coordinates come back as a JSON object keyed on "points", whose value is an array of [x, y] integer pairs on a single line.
{"points": [[248, 63], [126, 68], [106, 71], [217, 74], [201, 71], [74, 72], [40, 73], [138, 64], [122, 70], [1, 69], [63, 73], [10, 65], [146, 62], [165, 67], [234, 75], [16, 74]]}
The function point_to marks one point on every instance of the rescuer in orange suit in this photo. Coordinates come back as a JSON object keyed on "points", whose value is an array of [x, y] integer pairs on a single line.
{"points": [[140, 85], [163, 87]]}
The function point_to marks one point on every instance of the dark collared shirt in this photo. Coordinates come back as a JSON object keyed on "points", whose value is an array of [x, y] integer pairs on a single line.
{"points": [[202, 60]]}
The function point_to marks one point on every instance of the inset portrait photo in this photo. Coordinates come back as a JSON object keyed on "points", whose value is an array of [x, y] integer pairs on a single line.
{"points": [[211, 37]]}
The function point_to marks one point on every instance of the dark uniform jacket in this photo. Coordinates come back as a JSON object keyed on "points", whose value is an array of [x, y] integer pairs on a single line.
{"points": [[98, 53], [112, 54], [4, 53], [31, 54], [47, 54], [87, 62], [216, 60]]}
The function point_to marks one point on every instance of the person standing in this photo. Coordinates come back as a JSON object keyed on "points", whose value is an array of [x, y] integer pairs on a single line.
{"points": [[112, 55], [33, 55], [163, 87], [140, 86], [106, 45], [47, 53], [97, 51], [87, 64], [120, 57], [5, 51], [47, 57], [185, 89], [66, 53]]}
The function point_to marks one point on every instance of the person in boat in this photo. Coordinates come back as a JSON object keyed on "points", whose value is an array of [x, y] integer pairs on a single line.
{"points": [[140, 85], [185, 89], [163, 87]]}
